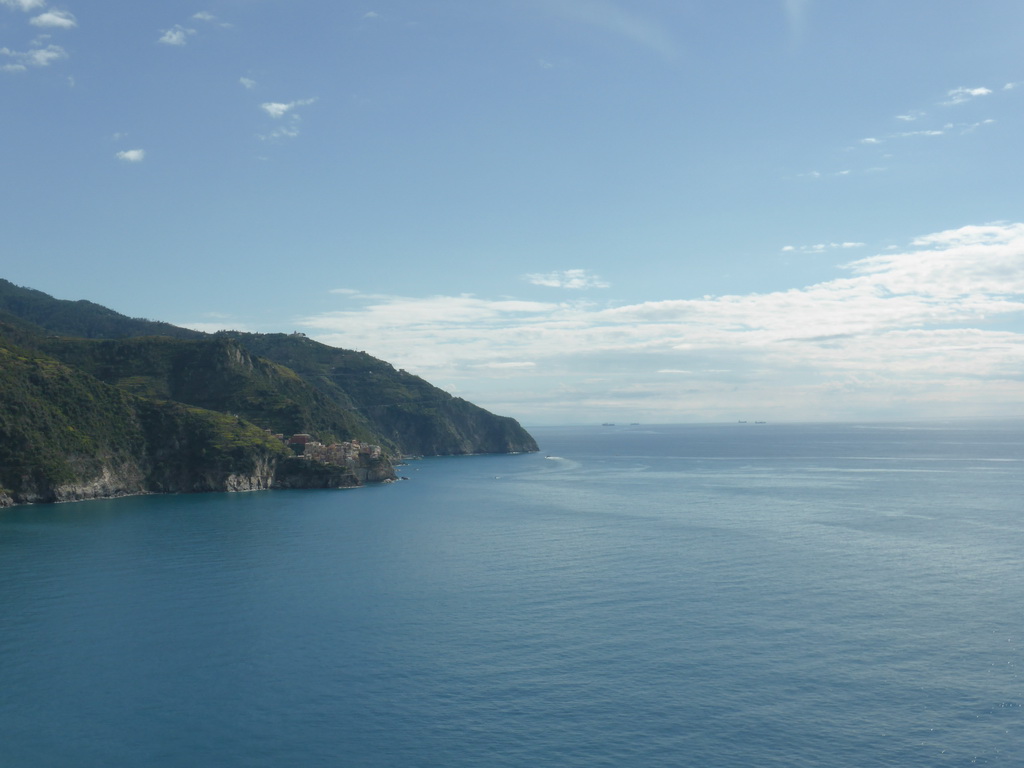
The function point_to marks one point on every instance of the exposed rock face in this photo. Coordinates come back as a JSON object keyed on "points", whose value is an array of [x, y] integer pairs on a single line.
{"points": [[266, 473], [113, 480], [109, 480], [345, 465]]}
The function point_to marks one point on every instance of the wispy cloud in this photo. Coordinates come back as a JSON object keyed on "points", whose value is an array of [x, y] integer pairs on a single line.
{"points": [[508, 366], [132, 155], [285, 112], [278, 109], [962, 94], [176, 35], [34, 57], [844, 173], [955, 96], [574, 279], [288, 131], [911, 332], [796, 12], [54, 18], [909, 134], [971, 127], [821, 247], [24, 5], [962, 128], [615, 18], [247, 83], [209, 18]]}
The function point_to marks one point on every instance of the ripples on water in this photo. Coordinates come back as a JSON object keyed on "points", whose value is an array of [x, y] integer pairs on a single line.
{"points": [[721, 596]]}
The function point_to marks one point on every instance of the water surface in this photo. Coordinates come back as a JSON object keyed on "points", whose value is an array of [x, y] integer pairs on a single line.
{"points": [[731, 595]]}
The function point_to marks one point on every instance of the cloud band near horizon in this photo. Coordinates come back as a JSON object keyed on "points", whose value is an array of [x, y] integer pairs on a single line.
{"points": [[932, 330]]}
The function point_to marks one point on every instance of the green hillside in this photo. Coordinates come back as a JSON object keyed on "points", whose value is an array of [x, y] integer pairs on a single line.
{"points": [[401, 408], [65, 434], [94, 403], [215, 373], [80, 318]]}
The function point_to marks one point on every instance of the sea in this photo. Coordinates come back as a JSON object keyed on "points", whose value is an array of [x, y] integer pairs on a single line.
{"points": [[683, 595]]}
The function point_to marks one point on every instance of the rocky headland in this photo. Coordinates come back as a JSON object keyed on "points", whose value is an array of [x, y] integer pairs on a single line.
{"points": [[96, 405]]}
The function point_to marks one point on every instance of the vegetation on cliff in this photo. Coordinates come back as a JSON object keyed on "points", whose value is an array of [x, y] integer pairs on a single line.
{"points": [[93, 403], [402, 409], [65, 434]]}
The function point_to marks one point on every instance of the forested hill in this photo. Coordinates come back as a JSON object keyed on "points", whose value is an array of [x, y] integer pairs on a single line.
{"points": [[80, 318], [401, 408], [220, 399]]}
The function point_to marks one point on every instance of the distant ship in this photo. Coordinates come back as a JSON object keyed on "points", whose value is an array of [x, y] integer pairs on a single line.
{"points": [[608, 424]]}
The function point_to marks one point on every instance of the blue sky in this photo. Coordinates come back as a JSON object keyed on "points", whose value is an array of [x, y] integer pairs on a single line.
{"points": [[564, 210]]}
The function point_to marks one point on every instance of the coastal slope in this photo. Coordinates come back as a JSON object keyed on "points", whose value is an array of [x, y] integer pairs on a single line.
{"points": [[95, 404]]}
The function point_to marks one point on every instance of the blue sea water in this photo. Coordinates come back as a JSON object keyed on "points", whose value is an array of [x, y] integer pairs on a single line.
{"points": [[731, 595]]}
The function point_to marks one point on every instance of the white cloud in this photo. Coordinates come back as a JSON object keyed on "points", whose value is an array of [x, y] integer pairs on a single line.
{"points": [[971, 127], [575, 279], [917, 331], [838, 174], [247, 83], [176, 35], [960, 95], [289, 131], [132, 155], [54, 18], [209, 18], [278, 109], [23, 5], [822, 247], [870, 140], [509, 366], [36, 57]]}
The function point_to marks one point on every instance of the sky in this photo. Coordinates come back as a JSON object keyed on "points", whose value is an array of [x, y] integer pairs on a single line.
{"points": [[566, 211]]}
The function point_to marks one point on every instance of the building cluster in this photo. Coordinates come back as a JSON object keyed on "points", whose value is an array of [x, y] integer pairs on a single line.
{"points": [[342, 454]]}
